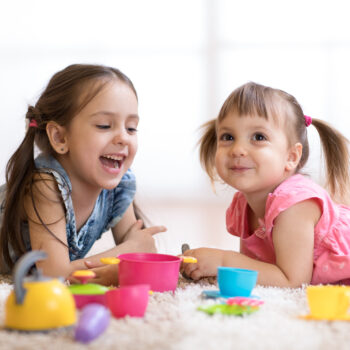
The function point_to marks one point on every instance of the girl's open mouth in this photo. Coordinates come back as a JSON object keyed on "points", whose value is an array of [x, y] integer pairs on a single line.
{"points": [[113, 162]]}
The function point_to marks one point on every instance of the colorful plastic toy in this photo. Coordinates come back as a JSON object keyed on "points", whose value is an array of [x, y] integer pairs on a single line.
{"points": [[243, 301], [87, 293], [328, 303], [110, 261], [237, 306], [236, 282], [38, 303], [233, 282], [93, 321], [128, 301], [160, 271], [225, 309], [83, 275]]}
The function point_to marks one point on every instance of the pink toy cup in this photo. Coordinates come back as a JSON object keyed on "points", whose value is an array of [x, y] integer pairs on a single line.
{"points": [[82, 300], [129, 300], [160, 271]]}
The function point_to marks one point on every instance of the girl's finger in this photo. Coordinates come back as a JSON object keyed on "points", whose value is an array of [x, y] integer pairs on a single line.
{"points": [[90, 265], [154, 230], [189, 268], [72, 280], [196, 275], [188, 252]]}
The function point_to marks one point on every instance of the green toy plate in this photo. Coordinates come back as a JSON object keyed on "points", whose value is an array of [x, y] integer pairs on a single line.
{"points": [[236, 310], [87, 289]]}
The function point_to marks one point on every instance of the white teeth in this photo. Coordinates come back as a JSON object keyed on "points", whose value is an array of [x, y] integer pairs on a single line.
{"points": [[114, 157]]}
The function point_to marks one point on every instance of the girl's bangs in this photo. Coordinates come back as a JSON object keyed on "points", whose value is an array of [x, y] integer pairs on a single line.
{"points": [[251, 100]]}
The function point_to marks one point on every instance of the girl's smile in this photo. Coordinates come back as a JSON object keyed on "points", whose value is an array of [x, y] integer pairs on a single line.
{"points": [[252, 153], [112, 162]]}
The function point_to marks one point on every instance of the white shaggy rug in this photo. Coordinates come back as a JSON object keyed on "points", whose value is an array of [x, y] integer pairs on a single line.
{"points": [[172, 322]]}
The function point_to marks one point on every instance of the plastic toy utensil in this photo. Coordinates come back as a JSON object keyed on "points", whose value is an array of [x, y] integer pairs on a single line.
{"points": [[83, 275], [93, 321], [184, 247], [188, 259], [110, 261]]}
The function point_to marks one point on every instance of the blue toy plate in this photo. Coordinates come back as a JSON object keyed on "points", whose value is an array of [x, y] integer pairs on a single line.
{"points": [[215, 294]]}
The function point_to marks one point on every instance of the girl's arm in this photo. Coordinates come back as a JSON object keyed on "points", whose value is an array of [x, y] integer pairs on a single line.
{"points": [[129, 237], [44, 207], [293, 239], [48, 204]]}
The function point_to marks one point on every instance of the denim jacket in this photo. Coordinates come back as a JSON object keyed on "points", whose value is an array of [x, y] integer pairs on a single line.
{"points": [[108, 210]]}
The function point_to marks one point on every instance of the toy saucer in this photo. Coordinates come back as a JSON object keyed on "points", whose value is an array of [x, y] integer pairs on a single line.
{"points": [[215, 294], [337, 318], [225, 309]]}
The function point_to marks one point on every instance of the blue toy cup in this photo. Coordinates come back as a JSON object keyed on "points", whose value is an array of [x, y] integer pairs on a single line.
{"points": [[234, 282]]}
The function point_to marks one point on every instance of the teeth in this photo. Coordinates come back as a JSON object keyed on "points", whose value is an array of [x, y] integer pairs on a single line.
{"points": [[114, 157]]}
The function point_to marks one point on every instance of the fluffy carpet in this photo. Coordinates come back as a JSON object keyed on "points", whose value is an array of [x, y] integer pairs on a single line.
{"points": [[172, 322]]}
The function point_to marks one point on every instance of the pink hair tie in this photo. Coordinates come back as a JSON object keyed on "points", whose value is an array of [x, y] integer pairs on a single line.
{"points": [[308, 120], [33, 123]]}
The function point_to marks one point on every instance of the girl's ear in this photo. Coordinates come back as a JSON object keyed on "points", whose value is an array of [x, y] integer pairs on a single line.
{"points": [[57, 137], [294, 156]]}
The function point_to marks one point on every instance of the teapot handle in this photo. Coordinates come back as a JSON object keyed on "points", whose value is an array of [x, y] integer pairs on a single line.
{"points": [[21, 269]]}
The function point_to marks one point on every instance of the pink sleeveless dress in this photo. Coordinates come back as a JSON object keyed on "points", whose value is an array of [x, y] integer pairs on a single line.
{"points": [[332, 232]]}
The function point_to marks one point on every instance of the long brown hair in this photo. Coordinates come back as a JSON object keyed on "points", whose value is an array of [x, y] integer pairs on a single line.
{"points": [[67, 93], [266, 102]]}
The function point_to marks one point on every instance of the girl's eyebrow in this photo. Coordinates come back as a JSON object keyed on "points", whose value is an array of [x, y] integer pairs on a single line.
{"points": [[224, 128], [134, 116]]}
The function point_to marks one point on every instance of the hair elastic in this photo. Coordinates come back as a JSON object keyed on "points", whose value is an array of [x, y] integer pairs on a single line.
{"points": [[33, 123], [308, 120]]}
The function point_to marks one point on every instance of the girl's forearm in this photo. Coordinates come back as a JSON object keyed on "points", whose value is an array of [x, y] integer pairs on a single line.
{"points": [[268, 274], [125, 247]]}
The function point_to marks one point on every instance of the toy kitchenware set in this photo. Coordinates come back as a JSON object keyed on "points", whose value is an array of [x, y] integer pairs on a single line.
{"points": [[160, 271], [127, 300], [233, 282], [235, 287], [93, 321], [87, 293], [329, 302], [237, 306], [38, 303]]}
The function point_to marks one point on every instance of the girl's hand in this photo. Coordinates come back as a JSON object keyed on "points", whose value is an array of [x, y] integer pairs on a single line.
{"points": [[142, 238], [106, 275], [208, 260]]}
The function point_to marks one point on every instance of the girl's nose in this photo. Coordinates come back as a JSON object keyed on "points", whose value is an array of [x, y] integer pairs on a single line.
{"points": [[238, 149], [120, 137]]}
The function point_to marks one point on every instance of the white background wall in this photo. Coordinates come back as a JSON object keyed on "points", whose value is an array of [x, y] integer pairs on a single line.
{"points": [[184, 58]]}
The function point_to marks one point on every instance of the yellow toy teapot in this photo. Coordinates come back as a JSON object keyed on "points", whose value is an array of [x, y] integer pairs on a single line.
{"points": [[38, 303]]}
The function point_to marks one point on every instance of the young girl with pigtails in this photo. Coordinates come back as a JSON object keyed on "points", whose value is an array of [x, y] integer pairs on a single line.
{"points": [[80, 185], [291, 230]]}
